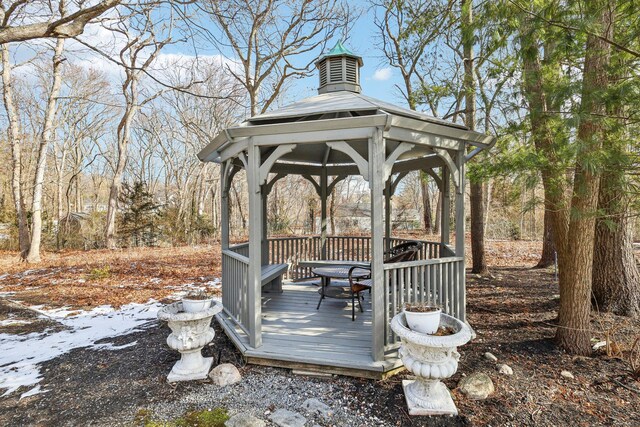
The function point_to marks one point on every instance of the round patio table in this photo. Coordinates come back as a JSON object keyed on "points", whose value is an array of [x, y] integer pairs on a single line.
{"points": [[337, 272]]}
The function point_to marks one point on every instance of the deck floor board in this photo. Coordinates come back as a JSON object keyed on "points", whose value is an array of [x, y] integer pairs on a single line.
{"points": [[293, 330]]}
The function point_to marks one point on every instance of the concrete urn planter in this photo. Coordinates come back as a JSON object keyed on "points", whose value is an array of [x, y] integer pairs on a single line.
{"points": [[430, 358], [190, 332]]}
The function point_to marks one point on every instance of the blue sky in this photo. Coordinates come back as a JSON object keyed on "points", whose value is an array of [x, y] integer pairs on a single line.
{"points": [[378, 79]]}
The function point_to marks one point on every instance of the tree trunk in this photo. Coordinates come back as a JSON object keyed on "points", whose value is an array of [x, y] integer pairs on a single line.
{"points": [[45, 138], [575, 278], [124, 135], [63, 161], [476, 198], [616, 279], [16, 153], [426, 203], [548, 256]]}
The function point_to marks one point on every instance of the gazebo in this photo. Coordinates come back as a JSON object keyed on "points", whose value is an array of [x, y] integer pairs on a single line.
{"points": [[325, 138]]}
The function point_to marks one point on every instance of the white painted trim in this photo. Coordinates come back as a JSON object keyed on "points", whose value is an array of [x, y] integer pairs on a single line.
{"points": [[455, 172], [280, 151], [402, 148], [313, 182], [315, 137], [361, 162], [435, 177]]}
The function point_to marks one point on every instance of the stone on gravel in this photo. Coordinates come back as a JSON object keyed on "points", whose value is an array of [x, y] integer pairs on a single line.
{"points": [[225, 374], [244, 420], [490, 356], [566, 374], [505, 369], [476, 386], [314, 405], [285, 418]]}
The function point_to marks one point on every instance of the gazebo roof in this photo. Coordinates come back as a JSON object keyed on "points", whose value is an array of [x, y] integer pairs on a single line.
{"points": [[333, 129], [338, 105], [332, 108]]}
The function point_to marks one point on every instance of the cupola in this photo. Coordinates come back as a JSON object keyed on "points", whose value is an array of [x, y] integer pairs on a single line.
{"points": [[339, 70]]}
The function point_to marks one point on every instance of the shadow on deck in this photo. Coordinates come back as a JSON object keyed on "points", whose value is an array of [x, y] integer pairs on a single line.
{"points": [[295, 335]]}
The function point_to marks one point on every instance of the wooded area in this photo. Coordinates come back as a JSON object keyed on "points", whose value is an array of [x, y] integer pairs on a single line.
{"points": [[103, 120]]}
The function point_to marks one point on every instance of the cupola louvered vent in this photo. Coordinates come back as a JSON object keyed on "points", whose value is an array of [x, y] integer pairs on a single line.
{"points": [[335, 70], [339, 70], [323, 73]]}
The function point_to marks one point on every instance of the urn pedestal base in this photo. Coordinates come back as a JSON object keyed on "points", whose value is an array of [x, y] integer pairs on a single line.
{"points": [[431, 358], [190, 332], [188, 368], [441, 402]]}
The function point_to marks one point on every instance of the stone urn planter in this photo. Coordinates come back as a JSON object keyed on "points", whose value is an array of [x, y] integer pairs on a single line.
{"points": [[190, 332], [430, 358]]}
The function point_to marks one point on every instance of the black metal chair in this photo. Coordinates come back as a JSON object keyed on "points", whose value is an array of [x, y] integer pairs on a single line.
{"points": [[402, 253], [404, 247]]}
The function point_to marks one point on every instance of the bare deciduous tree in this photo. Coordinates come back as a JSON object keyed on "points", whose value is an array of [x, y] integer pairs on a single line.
{"points": [[17, 18], [142, 46], [14, 136], [266, 36], [48, 129]]}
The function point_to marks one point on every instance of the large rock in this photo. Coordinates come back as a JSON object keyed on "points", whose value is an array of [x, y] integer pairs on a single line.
{"points": [[284, 418], [244, 420], [314, 405], [225, 374], [476, 386]]}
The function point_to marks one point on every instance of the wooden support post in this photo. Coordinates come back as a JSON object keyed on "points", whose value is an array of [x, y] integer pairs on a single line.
{"points": [[254, 289], [324, 194], [388, 193], [376, 185], [445, 213], [225, 184], [265, 241], [460, 304]]}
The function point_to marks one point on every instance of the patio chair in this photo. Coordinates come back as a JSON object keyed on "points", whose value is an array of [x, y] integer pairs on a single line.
{"points": [[403, 247], [408, 252]]}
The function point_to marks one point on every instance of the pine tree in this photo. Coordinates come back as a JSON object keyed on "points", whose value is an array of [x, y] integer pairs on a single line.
{"points": [[139, 214]]}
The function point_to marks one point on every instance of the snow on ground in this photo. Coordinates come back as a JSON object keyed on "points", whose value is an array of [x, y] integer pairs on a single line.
{"points": [[21, 354]]}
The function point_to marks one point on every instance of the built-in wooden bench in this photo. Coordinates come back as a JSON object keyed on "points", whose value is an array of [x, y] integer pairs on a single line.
{"points": [[271, 277]]}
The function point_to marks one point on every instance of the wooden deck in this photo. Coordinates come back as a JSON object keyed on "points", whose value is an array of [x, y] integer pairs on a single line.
{"points": [[296, 335]]}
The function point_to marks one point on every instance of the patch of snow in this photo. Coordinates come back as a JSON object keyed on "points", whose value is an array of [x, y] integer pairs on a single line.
{"points": [[4, 276], [216, 283], [33, 392], [155, 280], [6, 294], [9, 322], [110, 346], [21, 354]]}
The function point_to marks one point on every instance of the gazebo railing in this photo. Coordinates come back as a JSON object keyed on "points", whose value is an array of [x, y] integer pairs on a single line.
{"points": [[431, 280], [293, 249], [235, 273]]}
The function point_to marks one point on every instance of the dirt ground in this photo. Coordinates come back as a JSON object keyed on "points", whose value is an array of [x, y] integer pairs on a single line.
{"points": [[512, 310]]}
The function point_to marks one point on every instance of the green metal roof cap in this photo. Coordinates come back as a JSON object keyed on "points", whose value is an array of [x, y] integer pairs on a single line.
{"points": [[339, 50]]}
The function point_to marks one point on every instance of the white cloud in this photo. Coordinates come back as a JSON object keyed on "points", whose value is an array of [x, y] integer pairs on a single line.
{"points": [[382, 74]]}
